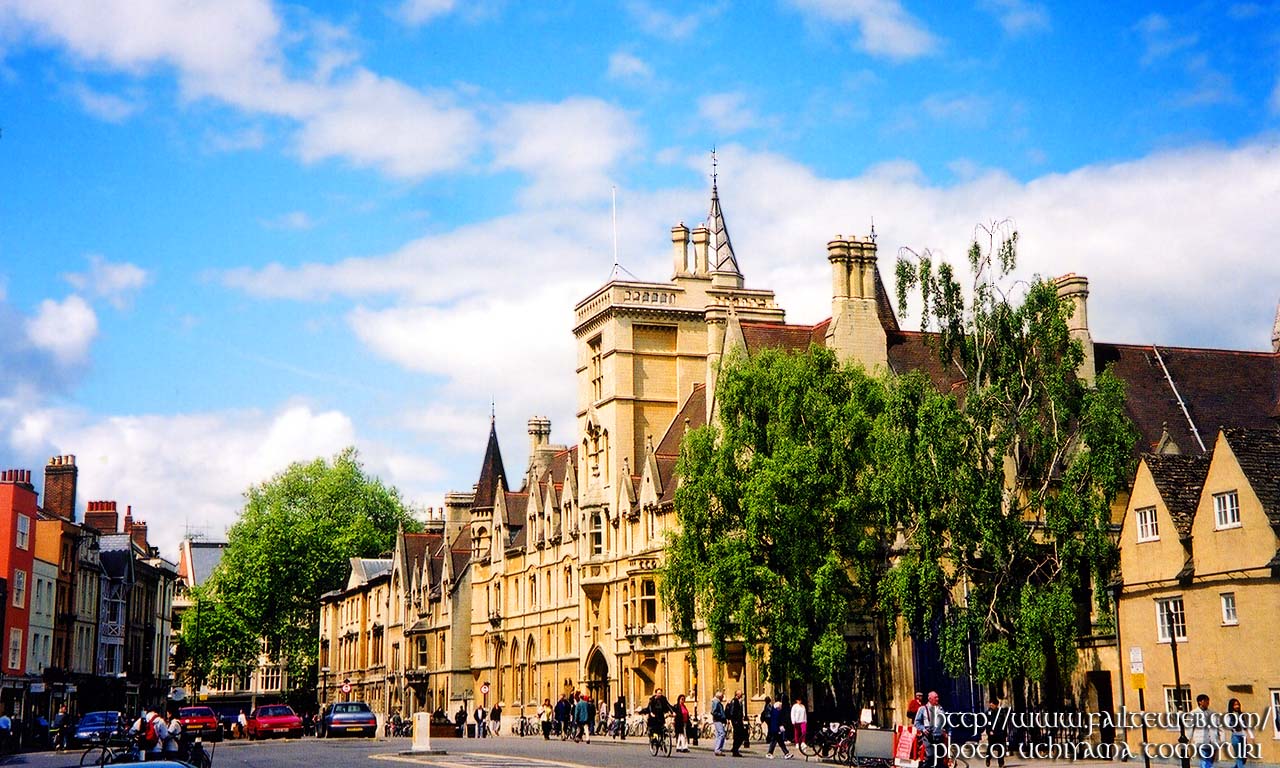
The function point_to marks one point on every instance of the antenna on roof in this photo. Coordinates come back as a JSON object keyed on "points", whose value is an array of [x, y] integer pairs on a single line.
{"points": [[714, 172], [873, 229], [614, 189]]}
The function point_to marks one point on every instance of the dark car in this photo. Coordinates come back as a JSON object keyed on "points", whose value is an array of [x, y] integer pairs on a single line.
{"points": [[347, 718], [274, 720], [93, 727], [200, 721]]}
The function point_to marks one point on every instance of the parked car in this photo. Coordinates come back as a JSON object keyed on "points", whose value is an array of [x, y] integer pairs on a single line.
{"points": [[347, 718], [93, 727], [274, 720], [200, 721]]}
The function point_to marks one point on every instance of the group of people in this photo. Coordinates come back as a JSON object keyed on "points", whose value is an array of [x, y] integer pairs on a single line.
{"points": [[731, 717], [1209, 731]]}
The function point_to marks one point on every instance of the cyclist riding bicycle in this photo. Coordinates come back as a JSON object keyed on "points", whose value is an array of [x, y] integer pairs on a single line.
{"points": [[657, 710]]}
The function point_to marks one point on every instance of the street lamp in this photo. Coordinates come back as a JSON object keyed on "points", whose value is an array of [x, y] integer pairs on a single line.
{"points": [[324, 686], [1177, 684]]}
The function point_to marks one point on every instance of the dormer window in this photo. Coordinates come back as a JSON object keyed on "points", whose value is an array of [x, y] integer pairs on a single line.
{"points": [[1148, 526], [1226, 510]]}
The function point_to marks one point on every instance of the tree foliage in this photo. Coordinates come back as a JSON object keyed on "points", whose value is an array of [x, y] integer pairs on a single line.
{"points": [[1002, 494], [776, 543], [292, 543]]}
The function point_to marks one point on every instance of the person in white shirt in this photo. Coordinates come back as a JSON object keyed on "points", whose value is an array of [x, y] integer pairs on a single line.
{"points": [[173, 734], [931, 721], [1206, 732], [799, 719], [140, 728]]}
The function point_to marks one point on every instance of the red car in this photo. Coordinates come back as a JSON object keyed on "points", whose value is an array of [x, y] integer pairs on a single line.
{"points": [[274, 720], [200, 721]]}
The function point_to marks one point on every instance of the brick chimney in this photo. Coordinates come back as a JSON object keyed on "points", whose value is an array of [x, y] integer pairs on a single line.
{"points": [[138, 532], [102, 517], [60, 476], [20, 477]]}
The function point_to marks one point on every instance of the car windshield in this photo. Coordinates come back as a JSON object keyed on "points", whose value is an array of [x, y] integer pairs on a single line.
{"points": [[350, 707], [195, 712], [274, 712], [98, 718]]}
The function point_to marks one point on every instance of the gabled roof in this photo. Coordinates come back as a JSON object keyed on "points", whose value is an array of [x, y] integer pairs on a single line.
{"points": [[1220, 388], [1179, 479], [115, 552], [693, 412], [491, 471], [1258, 452]]}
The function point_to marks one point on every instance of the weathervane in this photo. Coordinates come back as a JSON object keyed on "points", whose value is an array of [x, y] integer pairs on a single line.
{"points": [[714, 172]]}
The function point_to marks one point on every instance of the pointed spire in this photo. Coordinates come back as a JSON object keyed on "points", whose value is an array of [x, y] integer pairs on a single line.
{"points": [[723, 259], [491, 471], [1275, 332]]}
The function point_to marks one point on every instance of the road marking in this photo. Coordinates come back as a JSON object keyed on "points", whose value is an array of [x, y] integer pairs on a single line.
{"points": [[479, 760]]}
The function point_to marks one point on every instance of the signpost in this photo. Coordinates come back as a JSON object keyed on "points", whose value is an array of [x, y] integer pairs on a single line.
{"points": [[1138, 679]]}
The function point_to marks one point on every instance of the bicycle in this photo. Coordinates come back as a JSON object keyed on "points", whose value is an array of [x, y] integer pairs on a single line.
{"points": [[660, 743], [112, 749], [822, 742], [528, 726]]}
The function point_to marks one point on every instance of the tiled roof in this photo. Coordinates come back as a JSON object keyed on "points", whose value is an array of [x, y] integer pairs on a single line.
{"points": [[1220, 388], [1258, 452], [491, 472], [918, 351], [777, 336], [1179, 478], [694, 410], [667, 472], [517, 505]]}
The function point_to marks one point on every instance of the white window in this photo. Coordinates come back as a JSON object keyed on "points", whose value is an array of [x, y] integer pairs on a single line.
{"points": [[1148, 528], [1275, 712], [24, 532], [19, 589], [1229, 616], [1226, 510], [1171, 616], [15, 648], [1177, 699]]}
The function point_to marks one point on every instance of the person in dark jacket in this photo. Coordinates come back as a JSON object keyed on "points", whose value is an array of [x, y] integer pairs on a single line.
{"points": [[460, 720], [657, 710], [619, 724], [997, 731], [777, 730], [737, 714], [564, 713]]}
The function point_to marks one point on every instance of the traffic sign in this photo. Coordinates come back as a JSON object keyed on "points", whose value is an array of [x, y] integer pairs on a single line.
{"points": [[484, 689], [1135, 661], [1138, 680], [346, 687]]}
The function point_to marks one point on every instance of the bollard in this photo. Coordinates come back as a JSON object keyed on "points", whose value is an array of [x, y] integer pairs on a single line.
{"points": [[422, 732]]}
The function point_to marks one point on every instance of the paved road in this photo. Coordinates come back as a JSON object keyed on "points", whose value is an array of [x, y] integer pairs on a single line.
{"points": [[528, 752]]}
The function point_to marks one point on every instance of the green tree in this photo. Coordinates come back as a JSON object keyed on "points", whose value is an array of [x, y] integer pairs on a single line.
{"points": [[292, 543], [776, 543], [1002, 494]]}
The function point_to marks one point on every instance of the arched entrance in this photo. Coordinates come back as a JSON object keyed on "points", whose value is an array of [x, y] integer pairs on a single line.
{"points": [[598, 679]]}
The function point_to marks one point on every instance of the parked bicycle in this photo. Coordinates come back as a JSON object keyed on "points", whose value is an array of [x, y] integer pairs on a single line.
{"points": [[528, 726], [113, 748]]}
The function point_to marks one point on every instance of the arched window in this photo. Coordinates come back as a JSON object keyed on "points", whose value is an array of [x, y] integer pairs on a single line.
{"points": [[533, 591]]}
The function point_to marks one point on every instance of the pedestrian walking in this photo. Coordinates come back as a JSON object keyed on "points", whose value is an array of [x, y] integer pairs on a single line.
{"points": [[737, 714], [1241, 733], [1205, 732], [481, 717], [997, 731], [777, 734], [460, 720], [682, 724], [931, 722], [495, 719], [546, 714], [914, 706], [799, 720], [581, 716], [564, 714], [591, 715], [719, 722], [173, 734], [619, 725]]}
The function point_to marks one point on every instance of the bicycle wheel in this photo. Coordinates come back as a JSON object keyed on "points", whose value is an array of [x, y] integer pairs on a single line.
{"points": [[95, 755], [667, 744], [655, 744]]}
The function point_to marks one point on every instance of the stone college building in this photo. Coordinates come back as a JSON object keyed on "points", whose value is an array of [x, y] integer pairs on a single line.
{"points": [[543, 581]]}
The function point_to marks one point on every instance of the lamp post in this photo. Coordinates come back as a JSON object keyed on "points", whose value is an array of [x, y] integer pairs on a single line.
{"points": [[1177, 685], [324, 686]]}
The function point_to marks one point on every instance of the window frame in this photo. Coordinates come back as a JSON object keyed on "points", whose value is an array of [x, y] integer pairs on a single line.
{"points": [[1148, 524], [1179, 619], [1226, 516], [1275, 713], [1231, 617], [19, 588], [22, 533], [1185, 695]]}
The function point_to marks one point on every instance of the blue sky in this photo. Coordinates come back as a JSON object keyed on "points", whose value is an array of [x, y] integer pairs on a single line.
{"points": [[236, 234]]}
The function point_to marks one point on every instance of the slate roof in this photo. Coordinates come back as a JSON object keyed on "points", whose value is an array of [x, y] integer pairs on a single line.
{"points": [[1258, 452], [1179, 479], [115, 552], [205, 556], [694, 409]]}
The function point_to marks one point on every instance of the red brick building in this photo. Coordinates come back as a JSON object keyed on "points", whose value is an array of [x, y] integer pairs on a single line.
{"points": [[17, 547]]}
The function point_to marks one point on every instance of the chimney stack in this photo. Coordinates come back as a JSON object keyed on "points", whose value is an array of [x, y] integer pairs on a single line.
{"points": [[102, 517], [1074, 289], [680, 249], [20, 477], [855, 333], [701, 237], [60, 476], [138, 532]]}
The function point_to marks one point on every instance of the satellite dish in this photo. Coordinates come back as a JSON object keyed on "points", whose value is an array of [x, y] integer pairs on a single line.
{"points": [[178, 694]]}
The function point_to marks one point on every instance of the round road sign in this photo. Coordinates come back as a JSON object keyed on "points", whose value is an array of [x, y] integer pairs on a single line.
{"points": [[346, 687], [484, 689]]}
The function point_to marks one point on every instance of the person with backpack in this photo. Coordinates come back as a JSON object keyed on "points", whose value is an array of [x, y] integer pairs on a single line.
{"points": [[150, 730]]}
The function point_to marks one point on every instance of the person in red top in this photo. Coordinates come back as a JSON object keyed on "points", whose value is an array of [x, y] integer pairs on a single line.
{"points": [[914, 706]]}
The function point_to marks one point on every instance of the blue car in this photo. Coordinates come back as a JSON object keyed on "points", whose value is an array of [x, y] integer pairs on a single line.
{"points": [[347, 718], [94, 727]]}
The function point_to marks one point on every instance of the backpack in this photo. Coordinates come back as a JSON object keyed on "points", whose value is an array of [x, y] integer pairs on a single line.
{"points": [[149, 736], [764, 717]]}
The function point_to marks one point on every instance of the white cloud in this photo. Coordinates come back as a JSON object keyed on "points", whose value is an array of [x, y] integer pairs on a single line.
{"points": [[1160, 39], [628, 67], [965, 109], [567, 148], [192, 469], [104, 106], [236, 141], [1018, 17], [666, 25], [64, 329], [117, 282], [291, 221], [885, 28], [727, 113], [419, 12]]}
